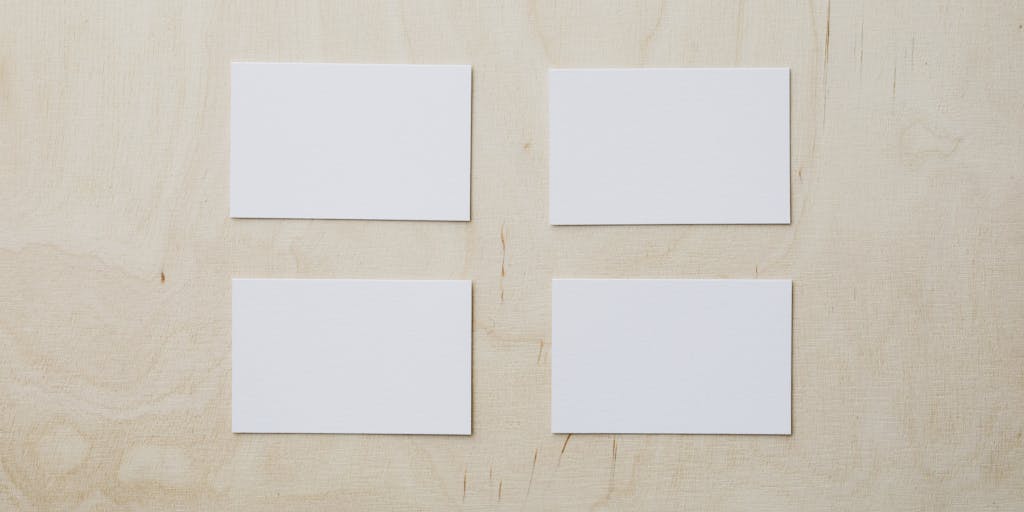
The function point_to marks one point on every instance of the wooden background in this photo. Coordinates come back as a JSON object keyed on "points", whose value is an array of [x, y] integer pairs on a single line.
{"points": [[906, 252]]}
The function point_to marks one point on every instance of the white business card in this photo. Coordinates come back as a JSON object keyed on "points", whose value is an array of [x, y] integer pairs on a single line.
{"points": [[350, 141], [671, 356], [351, 356], [669, 146]]}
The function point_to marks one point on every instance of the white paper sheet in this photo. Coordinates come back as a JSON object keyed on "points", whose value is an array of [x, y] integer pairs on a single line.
{"points": [[671, 356], [351, 356], [669, 146], [350, 141]]}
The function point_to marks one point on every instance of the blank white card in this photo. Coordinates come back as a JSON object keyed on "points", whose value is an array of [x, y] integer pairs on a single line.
{"points": [[671, 356], [351, 356], [350, 141], [669, 146]]}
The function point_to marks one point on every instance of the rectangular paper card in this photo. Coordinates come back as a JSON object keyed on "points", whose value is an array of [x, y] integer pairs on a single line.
{"points": [[669, 146], [666, 356], [350, 141], [351, 356]]}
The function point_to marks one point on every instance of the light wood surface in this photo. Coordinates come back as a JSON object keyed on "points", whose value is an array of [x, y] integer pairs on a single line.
{"points": [[906, 251]]}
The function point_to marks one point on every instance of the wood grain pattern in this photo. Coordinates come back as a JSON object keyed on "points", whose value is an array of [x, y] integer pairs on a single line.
{"points": [[906, 251]]}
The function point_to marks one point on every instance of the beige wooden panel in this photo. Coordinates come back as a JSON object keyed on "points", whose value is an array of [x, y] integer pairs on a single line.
{"points": [[906, 251]]}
